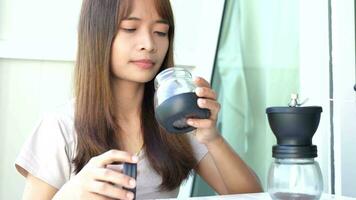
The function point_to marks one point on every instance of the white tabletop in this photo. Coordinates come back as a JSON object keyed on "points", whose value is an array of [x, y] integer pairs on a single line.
{"points": [[261, 196]]}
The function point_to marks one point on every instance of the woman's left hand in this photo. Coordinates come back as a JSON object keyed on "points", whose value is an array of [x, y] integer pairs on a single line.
{"points": [[206, 128]]}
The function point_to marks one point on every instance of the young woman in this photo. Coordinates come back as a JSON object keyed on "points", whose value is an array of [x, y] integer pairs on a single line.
{"points": [[123, 44]]}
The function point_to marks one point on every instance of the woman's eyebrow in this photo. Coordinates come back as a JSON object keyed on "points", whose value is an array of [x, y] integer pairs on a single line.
{"points": [[160, 21]]}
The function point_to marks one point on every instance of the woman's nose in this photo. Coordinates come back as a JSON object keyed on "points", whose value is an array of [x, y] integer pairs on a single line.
{"points": [[147, 43]]}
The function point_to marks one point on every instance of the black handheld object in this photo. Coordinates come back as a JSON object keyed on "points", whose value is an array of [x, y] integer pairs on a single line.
{"points": [[173, 112], [130, 169]]}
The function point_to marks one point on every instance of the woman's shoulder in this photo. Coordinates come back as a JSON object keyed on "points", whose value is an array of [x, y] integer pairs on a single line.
{"points": [[60, 118], [48, 151], [63, 111]]}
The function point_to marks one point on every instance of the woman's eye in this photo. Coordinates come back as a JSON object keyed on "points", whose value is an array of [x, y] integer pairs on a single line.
{"points": [[162, 34], [129, 30]]}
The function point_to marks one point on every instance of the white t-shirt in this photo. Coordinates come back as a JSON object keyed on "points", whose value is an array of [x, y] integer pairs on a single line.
{"points": [[48, 153]]}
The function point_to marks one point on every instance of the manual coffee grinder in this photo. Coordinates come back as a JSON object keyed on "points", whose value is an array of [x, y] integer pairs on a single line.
{"points": [[294, 174]]}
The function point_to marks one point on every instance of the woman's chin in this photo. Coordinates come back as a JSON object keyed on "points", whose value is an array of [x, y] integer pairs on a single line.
{"points": [[137, 79]]}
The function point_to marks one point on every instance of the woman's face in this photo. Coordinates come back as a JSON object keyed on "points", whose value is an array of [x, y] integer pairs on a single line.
{"points": [[141, 44]]}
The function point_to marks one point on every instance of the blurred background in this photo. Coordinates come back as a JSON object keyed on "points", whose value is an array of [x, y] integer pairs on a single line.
{"points": [[255, 53]]}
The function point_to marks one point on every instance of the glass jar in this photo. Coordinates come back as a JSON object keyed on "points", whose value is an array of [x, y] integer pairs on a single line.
{"points": [[175, 100], [294, 179], [171, 82]]}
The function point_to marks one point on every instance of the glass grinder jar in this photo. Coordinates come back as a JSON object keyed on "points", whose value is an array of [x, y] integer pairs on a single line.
{"points": [[175, 100], [295, 179]]}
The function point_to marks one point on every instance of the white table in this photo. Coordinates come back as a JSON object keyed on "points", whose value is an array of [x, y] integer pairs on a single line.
{"points": [[261, 196]]}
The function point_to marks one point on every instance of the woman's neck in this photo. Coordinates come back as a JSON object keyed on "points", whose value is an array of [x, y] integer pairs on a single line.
{"points": [[128, 97]]}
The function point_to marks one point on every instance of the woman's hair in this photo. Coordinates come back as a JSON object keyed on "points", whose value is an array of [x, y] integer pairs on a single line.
{"points": [[170, 155]]}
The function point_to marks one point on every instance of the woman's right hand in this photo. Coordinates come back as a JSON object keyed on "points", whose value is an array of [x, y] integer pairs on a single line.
{"points": [[97, 182]]}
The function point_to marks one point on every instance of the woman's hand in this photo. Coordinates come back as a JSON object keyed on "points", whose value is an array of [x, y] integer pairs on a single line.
{"points": [[206, 128], [97, 182]]}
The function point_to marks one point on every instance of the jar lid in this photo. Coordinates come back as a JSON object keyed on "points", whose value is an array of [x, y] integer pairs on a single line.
{"points": [[285, 151], [297, 110]]}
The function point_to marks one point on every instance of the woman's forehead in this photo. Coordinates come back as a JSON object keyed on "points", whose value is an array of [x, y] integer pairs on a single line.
{"points": [[144, 10]]}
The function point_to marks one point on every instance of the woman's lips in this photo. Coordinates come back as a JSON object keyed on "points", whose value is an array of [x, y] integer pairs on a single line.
{"points": [[144, 63]]}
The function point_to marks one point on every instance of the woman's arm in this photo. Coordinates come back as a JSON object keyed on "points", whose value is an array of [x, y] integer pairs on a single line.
{"points": [[95, 181], [37, 189], [209, 172], [224, 170]]}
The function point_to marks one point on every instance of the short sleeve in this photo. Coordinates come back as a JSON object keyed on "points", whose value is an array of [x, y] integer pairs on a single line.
{"points": [[200, 150], [45, 154]]}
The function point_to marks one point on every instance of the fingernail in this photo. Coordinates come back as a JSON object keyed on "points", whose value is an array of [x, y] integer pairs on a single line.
{"points": [[132, 182], [130, 195], [134, 158]]}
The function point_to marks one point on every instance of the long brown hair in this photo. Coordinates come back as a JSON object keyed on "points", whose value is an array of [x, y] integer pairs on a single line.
{"points": [[171, 156]]}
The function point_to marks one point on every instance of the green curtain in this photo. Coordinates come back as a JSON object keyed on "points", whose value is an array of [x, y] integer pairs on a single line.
{"points": [[256, 67]]}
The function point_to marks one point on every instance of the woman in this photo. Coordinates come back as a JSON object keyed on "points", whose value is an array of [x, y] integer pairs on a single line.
{"points": [[122, 46]]}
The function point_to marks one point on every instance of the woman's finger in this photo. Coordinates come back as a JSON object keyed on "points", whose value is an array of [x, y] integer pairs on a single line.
{"points": [[109, 190], [201, 82], [113, 156], [94, 196], [201, 123], [212, 105], [205, 92], [108, 175], [116, 167]]}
